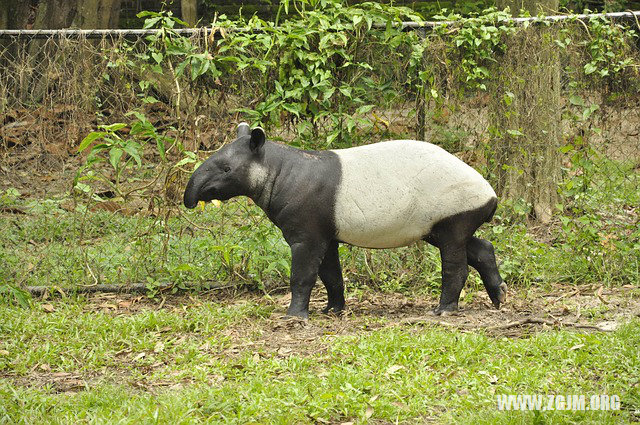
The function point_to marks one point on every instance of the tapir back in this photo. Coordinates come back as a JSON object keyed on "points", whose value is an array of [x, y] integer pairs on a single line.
{"points": [[392, 193]]}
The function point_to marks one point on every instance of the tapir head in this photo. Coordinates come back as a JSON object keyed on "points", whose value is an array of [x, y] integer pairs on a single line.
{"points": [[230, 171]]}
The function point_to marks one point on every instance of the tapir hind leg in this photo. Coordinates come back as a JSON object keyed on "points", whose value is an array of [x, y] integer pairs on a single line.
{"points": [[331, 275], [305, 262], [452, 235], [454, 275], [481, 257]]}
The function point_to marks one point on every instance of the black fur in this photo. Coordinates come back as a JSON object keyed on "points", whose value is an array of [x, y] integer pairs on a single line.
{"points": [[298, 195], [459, 248]]}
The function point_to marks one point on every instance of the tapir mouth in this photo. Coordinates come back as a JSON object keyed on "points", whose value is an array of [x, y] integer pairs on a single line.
{"points": [[207, 194], [194, 194]]}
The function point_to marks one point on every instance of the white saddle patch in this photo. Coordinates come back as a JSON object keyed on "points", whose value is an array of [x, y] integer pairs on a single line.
{"points": [[392, 193]]}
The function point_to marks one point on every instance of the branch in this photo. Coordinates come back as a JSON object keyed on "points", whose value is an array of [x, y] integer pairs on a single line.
{"points": [[134, 288]]}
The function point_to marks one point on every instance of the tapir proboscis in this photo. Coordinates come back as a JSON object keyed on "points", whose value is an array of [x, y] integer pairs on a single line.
{"points": [[382, 195]]}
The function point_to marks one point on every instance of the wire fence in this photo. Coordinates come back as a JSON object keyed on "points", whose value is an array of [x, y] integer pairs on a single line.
{"points": [[57, 86]]}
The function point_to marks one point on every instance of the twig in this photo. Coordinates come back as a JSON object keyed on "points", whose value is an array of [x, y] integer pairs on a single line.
{"points": [[525, 321], [540, 321], [123, 289]]}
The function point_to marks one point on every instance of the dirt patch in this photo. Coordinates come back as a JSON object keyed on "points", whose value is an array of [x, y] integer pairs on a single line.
{"points": [[583, 309], [527, 311]]}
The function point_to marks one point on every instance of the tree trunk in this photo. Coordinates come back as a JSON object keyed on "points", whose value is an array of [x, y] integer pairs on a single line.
{"points": [[190, 12], [525, 114], [58, 14], [97, 14], [84, 14], [14, 15]]}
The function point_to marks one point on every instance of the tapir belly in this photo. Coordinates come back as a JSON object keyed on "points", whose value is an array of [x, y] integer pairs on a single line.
{"points": [[391, 194]]}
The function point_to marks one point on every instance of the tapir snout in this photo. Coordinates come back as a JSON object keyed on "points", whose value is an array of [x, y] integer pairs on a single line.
{"points": [[191, 192]]}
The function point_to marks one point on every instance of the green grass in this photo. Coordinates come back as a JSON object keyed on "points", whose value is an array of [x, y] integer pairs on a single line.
{"points": [[55, 247], [207, 362], [74, 360]]}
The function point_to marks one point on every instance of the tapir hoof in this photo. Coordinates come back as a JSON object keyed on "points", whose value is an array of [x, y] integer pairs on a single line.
{"points": [[501, 296], [445, 310], [333, 309], [300, 314]]}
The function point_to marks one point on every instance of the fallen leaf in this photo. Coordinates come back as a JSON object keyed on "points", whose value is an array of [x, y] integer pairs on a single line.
{"points": [[284, 351], [575, 347], [599, 295], [369, 412], [139, 356], [125, 304], [393, 369], [48, 308]]}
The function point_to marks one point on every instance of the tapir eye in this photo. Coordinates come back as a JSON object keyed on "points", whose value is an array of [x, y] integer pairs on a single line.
{"points": [[226, 168]]}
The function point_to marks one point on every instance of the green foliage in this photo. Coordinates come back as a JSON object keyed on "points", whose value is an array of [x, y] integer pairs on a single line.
{"points": [[607, 45], [315, 69], [121, 153], [476, 40]]}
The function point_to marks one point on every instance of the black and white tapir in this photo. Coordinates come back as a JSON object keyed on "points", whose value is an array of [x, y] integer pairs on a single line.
{"points": [[382, 195]]}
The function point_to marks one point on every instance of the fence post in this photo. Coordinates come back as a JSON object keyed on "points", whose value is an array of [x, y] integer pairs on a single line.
{"points": [[421, 104]]}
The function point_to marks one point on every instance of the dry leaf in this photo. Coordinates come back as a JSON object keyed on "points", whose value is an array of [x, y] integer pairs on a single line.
{"points": [[284, 351], [139, 356], [575, 347], [48, 308], [125, 304], [369, 412], [394, 369]]}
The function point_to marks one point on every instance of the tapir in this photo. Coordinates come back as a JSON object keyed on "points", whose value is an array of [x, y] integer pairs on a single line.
{"points": [[381, 195]]}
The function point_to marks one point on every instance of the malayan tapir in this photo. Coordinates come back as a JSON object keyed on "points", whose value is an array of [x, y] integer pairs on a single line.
{"points": [[382, 195]]}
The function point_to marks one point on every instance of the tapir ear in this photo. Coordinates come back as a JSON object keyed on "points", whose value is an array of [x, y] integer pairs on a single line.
{"points": [[257, 139], [243, 129]]}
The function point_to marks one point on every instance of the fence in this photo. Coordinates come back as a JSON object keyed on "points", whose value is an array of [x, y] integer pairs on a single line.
{"points": [[575, 128]]}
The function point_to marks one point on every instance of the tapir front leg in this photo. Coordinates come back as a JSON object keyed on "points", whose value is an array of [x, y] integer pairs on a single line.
{"points": [[305, 262], [331, 275]]}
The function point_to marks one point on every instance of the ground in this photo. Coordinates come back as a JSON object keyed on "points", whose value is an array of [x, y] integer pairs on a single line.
{"points": [[69, 348]]}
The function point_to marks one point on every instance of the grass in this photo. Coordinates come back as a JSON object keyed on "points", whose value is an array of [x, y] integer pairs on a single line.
{"points": [[54, 244], [205, 361], [109, 360]]}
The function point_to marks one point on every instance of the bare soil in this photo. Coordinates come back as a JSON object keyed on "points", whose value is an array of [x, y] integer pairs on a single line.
{"points": [[527, 311], [536, 309]]}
